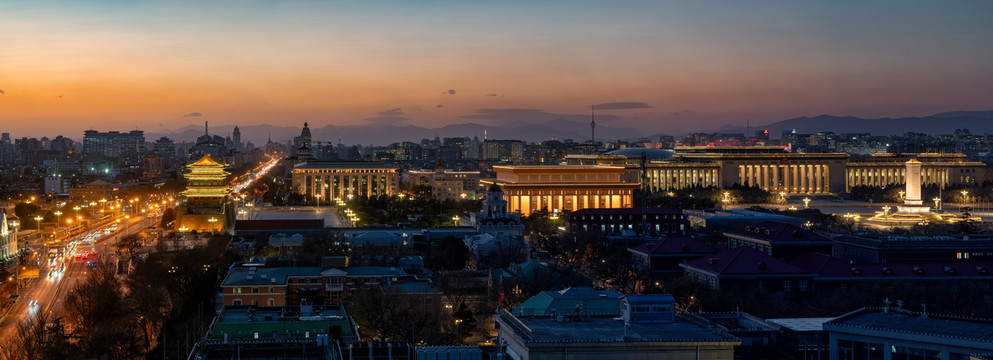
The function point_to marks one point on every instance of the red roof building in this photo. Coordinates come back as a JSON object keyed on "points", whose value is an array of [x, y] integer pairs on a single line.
{"points": [[779, 239], [747, 268], [663, 256]]}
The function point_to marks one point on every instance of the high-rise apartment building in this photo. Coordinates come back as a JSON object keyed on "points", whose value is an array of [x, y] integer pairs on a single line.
{"points": [[124, 148]]}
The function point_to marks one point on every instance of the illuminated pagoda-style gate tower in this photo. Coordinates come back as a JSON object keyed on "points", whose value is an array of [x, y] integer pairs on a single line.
{"points": [[206, 194]]}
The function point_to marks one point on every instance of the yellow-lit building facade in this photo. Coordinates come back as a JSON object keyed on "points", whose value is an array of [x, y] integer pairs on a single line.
{"points": [[206, 186], [885, 169], [769, 168], [333, 180], [206, 196], [773, 169], [563, 187]]}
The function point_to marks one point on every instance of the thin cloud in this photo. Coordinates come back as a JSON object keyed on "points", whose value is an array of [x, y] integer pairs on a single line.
{"points": [[491, 94], [394, 115], [449, 92], [624, 105], [439, 106], [680, 112], [193, 114]]}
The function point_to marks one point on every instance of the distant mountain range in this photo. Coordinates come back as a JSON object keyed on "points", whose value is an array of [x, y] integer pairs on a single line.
{"points": [[979, 122]]}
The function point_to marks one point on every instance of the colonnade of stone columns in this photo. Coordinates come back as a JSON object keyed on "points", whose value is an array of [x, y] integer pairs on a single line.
{"points": [[679, 178], [799, 178]]}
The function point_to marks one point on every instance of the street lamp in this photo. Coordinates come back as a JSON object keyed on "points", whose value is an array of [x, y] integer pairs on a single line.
{"points": [[38, 219], [806, 203], [886, 211], [318, 197], [965, 196], [212, 221], [727, 196], [59, 219], [127, 224], [937, 203], [901, 192], [782, 197], [456, 220]]}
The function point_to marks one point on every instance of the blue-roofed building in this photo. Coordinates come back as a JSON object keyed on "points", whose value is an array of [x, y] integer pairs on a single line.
{"points": [[874, 333], [575, 301]]}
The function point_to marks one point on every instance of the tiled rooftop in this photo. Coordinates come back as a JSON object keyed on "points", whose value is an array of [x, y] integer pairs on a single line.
{"points": [[908, 323], [778, 232], [547, 330], [675, 245]]}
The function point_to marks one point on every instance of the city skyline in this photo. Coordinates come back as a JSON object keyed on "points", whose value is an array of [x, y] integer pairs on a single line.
{"points": [[655, 67]]}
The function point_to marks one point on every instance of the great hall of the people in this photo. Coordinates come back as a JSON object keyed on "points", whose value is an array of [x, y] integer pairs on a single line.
{"points": [[609, 180]]}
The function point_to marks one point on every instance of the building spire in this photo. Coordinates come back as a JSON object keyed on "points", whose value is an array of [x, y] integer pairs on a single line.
{"points": [[205, 128], [593, 123]]}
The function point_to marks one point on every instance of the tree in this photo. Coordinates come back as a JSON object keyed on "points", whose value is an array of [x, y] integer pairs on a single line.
{"points": [[168, 218], [391, 315], [450, 254], [323, 243], [148, 297], [540, 228], [25, 212], [130, 244], [457, 286], [100, 317]]}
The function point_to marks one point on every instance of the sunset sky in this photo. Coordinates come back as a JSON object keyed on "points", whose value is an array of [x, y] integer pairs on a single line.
{"points": [[66, 66]]}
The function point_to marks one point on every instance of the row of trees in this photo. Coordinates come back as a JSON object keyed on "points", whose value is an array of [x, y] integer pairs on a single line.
{"points": [[107, 316], [418, 211]]}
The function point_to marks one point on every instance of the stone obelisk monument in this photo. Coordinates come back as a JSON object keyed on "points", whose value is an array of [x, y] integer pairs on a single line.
{"points": [[913, 184]]}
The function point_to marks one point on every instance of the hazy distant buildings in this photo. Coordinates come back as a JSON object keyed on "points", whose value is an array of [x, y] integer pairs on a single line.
{"points": [[446, 184], [511, 151], [209, 145], [122, 150], [154, 167], [166, 149]]}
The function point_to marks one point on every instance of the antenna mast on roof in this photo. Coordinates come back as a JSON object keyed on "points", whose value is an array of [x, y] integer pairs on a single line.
{"points": [[593, 123]]}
